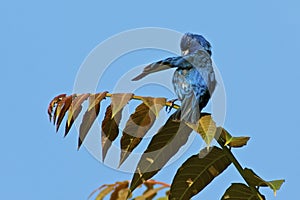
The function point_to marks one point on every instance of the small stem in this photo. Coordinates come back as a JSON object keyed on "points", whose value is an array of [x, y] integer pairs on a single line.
{"points": [[237, 165]]}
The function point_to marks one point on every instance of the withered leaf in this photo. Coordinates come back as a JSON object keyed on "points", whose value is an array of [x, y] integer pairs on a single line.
{"points": [[155, 104], [74, 111], [119, 100], [53, 103], [65, 103], [90, 115]]}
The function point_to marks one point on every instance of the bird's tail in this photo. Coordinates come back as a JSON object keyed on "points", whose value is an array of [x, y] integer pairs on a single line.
{"points": [[190, 111]]}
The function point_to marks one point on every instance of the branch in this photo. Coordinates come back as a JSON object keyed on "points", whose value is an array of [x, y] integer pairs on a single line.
{"points": [[140, 98], [237, 165]]}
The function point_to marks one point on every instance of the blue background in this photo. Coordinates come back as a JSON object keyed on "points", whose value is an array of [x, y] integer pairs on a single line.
{"points": [[255, 45]]}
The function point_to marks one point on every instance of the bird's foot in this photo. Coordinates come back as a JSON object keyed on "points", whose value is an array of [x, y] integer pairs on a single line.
{"points": [[172, 102]]}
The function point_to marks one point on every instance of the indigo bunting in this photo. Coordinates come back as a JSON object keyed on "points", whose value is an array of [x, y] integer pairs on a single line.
{"points": [[194, 79]]}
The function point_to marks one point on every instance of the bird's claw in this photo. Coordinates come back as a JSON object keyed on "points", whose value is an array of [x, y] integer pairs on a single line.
{"points": [[172, 102]]}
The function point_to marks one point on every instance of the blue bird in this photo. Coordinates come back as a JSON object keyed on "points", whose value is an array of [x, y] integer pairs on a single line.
{"points": [[194, 79]]}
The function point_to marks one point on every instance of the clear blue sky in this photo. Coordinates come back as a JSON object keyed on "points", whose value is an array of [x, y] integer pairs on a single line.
{"points": [[256, 46]]}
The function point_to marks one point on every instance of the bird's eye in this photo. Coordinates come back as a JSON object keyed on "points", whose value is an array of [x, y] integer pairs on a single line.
{"points": [[189, 43]]}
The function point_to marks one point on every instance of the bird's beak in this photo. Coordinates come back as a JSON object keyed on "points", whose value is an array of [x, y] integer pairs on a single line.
{"points": [[185, 52]]}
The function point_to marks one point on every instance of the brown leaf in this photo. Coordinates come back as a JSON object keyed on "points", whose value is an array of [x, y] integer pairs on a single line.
{"points": [[118, 191], [155, 104], [150, 194], [90, 115], [110, 129], [74, 111], [104, 192], [119, 100], [58, 106], [136, 128], [65, 103], [95, 99], [53, 103]]}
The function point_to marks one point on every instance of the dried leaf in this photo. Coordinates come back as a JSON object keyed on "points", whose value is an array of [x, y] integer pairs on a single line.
{"points": [[197, 172], [95, 99], [163, 146], [239, 191], [90, 115], [53, 103], [150, 193], [74, 111], [123, 194], [58, 107], [149, 186], [136, 127], [118, 193], [155, 104], [66, 102], [163, 198], [110, 129], [119, 100], [105, 192]]}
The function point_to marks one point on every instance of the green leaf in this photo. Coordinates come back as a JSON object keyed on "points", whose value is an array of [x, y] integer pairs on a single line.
{"points": [[239, 191], [206, 127], [275, 185], [233, 141], [74, 111], [90, 115], [255, 180], [118, 101], [110, 129], [197, 172], [163, 146], [136, 127]]}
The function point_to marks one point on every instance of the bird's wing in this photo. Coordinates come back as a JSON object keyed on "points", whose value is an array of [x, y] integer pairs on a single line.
{"points": [[188, 89], [162, 65], [203, 63], [192, 84]]}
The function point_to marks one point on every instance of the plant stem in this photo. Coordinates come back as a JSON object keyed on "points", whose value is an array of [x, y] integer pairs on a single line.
{"points": [[237, 165]]}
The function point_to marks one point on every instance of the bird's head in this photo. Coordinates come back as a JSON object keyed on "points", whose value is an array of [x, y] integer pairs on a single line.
{"points": [[193, 42]]}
